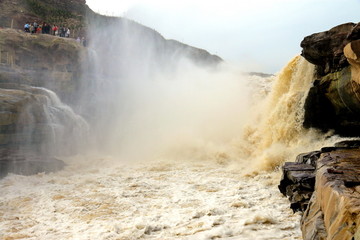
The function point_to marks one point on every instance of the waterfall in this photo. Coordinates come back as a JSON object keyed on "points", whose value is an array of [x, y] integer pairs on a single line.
{"points": [[275, 133], [46, 126]]}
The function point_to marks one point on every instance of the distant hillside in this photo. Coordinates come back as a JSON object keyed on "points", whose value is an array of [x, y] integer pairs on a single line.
{"points": [[76, 15]]}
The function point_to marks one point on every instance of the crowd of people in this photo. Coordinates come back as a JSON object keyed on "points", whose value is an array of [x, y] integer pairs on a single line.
{"points": [[45, 28]]}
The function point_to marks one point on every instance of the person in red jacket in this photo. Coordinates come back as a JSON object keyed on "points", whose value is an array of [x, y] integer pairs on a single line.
{"points": [[55, 28]]}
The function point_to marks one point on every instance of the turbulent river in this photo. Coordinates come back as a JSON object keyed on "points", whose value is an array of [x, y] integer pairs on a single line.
{"points": [[97, 199]]}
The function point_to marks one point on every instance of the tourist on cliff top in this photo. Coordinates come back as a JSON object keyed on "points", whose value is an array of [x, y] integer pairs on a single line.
{"points": [[39, 29], [46, 28], [27, 27], [35, 26], [62, 32], [55, 30], [78, 40], [67, 33], [32, 29], [43, 29]]}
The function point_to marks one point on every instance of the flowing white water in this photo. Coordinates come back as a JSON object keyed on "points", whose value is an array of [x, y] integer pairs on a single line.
{"points": [[46, 126], [97, 199]]}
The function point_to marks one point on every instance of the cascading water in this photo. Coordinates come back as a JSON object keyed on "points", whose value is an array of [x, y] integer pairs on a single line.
{"points": [[45, 128], [64, 131], [276, 132], [188, 129]]}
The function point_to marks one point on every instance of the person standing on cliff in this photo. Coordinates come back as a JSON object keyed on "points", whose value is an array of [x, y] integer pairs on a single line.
{"points": [[62, 31], [43, 29], [32, 31], [67, 33], [35, 26], [39, 29], [56, 30]]}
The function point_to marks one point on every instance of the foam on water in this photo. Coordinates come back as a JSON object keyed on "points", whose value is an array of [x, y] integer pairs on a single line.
{"points": [[99, 199]]}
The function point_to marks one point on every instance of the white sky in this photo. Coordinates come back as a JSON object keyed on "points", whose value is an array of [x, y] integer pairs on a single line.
{"points": [[260, 35]]}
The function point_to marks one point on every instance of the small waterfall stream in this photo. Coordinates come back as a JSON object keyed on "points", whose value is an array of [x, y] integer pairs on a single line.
{"points": [[44, 130]]}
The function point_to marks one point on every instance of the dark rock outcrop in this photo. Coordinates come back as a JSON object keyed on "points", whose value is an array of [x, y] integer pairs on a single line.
{"points": [[325, 49], [298, 180], [333, 103]]}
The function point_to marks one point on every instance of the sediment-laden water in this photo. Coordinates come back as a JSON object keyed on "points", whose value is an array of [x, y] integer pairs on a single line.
{"points": [[98, 199]]}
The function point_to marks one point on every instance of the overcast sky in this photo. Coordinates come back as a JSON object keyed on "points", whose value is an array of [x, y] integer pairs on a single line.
{"points": [[258, 35]]}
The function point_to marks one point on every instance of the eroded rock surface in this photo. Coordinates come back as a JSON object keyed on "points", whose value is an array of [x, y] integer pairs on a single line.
{"points": [[336, 197], [333, 103], [298, 180], [325, 49], [34, 127], [325, 186], [41, 60]]}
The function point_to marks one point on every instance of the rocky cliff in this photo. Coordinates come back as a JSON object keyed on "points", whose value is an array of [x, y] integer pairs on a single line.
{"points": [[324, 184], [41, 60], [333, 102]]}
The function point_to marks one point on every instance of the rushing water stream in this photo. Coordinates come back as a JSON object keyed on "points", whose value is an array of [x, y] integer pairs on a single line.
{"points": [[97, 199]]}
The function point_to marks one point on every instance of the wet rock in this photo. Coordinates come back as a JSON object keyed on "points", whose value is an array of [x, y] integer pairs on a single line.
{"points": [[336, 200], [325, 186], [298, 180], [333, 102], [312, 222], [24, 165], [348, 144], [325, 49], [34, 127], [309, 158]]}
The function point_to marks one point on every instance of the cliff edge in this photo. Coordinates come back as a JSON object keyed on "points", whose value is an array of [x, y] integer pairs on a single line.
{"points": [[324, 184]]}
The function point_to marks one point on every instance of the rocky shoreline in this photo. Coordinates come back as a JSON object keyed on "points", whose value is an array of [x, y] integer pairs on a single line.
{"points": [[325, 184]]}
